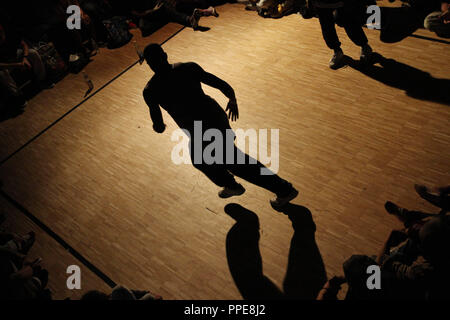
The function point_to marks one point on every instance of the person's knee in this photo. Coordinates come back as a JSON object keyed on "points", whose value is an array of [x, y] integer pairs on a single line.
{"points": [[33, 55], [9, 84], [432, 21]]}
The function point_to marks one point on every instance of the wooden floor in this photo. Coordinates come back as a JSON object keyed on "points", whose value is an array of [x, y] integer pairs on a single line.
{"points": [[104, 182]]}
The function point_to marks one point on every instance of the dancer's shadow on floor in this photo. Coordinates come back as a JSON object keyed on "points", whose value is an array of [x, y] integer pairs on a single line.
{"points": [[305, 274], [416, 83]]}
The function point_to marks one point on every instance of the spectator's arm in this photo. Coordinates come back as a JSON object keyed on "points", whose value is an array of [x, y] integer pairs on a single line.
{"points": [[23, 274], [25, 49], [6, 66]]}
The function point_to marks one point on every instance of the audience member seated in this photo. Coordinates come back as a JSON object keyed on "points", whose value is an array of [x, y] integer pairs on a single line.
{"points": [[439, 21], [16, 55], [51, 22], [98, 11], [16, 244], [414, 261], [121, 293], [20, 277], [356, 277]]}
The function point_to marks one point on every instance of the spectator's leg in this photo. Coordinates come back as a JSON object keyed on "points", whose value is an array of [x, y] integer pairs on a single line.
{"points": [[9, 83], [11, 88], [37, 64], [327, 23], [405, 216], [326, 19], [188, 7], [66, 41], [442, 200], [352, 26], [175, 16], [150, 24], [434, 23], [98, 12]]}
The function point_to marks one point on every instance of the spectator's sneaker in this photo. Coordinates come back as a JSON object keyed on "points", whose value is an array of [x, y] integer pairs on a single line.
{"points": [[227, 192], [280, 201], [366, 53], [74, 57], [421, 190], [194, 19], [28, 242], [337, 60], [211, 11], [394, 209], [42, 275]]}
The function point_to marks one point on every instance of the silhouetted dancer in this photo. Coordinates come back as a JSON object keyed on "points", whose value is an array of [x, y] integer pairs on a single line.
{"points": [[177, 89]]}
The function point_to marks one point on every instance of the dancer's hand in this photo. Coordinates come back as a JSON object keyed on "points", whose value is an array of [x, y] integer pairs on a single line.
{"points": [[159, 127], [232, 108]]}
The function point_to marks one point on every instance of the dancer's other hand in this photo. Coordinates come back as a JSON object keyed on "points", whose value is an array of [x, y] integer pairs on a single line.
{"points": [[232, 108]]}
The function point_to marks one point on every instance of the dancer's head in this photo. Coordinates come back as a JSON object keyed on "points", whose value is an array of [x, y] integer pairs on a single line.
{"points": [[156, 57]]}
